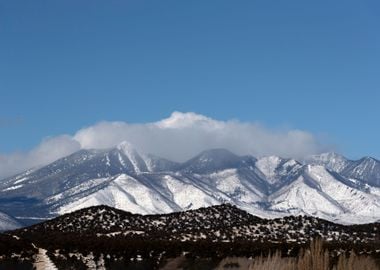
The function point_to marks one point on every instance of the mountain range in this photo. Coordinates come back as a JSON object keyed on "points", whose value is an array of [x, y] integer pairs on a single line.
{"points": [[328, 185]]}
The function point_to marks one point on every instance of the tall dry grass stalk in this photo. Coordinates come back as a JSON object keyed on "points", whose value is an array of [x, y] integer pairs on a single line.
{"points": [[353, 262], [274, 261], [313, 258]]}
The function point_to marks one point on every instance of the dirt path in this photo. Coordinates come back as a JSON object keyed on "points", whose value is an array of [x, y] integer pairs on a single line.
{"points": [[43, 261], [174, 263]]}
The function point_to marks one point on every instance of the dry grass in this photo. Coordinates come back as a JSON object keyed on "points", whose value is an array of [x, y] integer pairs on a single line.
{"points": [[274, 261], [353, 262], [313, 258]]}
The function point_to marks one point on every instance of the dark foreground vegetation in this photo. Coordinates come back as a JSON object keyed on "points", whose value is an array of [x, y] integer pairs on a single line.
{"points": [[72, 251], [16, 253], [220, 237]]}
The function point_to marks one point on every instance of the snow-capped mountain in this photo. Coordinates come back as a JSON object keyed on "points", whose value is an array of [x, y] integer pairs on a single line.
{"points": [[327, 186]]}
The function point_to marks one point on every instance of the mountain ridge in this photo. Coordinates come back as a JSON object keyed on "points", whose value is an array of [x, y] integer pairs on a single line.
{"points": [[219, 223]]}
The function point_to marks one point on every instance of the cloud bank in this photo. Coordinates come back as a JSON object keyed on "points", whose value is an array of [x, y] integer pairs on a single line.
{"points": [[178, 138]]}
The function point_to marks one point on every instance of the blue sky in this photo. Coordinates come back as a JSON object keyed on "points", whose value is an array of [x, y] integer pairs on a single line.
{"points": [[309, 65]]}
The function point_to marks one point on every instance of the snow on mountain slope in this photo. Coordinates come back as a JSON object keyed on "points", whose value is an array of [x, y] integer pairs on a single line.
{"points": [[278, 171], [268, 166], [141, 183], [170, 192], [78, 168], [300, 198], [8, 223], [157, 164], [186, 195], [64, 174], [233, 185], [123, 192], [162, 193], [366, 170], [350, 199], [317, 192], [135, 159], [137, 195]]}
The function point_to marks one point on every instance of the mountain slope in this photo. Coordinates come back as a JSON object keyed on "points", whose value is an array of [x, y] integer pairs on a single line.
{"points": [[223, 223], [331, 161], [318, 193], [8, 223], [366, 170]]}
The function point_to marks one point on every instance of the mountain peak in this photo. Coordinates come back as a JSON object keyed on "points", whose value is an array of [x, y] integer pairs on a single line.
{"points": [[369, 159], [217, 152], [212, 160]]}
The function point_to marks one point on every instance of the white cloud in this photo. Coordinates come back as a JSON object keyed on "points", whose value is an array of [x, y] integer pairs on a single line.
{"points": [[48, 150], [179, 137]]}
